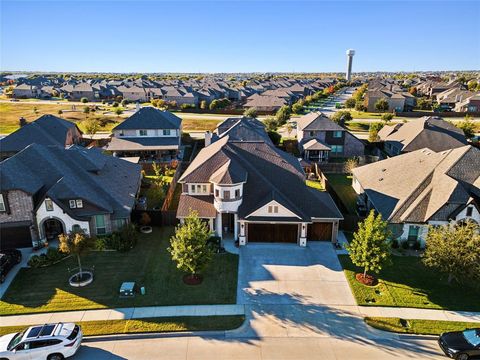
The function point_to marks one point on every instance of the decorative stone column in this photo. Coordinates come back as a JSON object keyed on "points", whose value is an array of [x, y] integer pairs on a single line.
{"points": [[242, 239], [302, 241]]}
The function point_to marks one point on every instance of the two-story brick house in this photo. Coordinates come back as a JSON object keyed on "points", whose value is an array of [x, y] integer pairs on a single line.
{"points": [[247, 189], [319, 139], [48, 190], [150, 133], [46, 130]]}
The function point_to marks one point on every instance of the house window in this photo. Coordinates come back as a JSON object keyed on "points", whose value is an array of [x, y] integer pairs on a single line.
{"points": [[413, 232], [469, 211], [119, 223], [273, 209], [337, 149], [192, 189], [237, 193], [79, 203], [100, 227], [73, 204], [204, 189], [226, 194], [166, 132], [217, 193], [49, 204], [76, 228], [2, 204], [199, 189], [143, 132], [337, 134], [312, 133]]}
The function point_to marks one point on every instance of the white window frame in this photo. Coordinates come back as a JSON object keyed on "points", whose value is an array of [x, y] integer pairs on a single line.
{"points": [[3, 206], [337, 132], [143, 132], [48, 204], [104, 225], [166, 132], [72, 204], [79, 203]]}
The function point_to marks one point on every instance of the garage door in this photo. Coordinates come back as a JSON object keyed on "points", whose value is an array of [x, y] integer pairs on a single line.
{"points": [[319, 231], [286, 233], [15, 237]]}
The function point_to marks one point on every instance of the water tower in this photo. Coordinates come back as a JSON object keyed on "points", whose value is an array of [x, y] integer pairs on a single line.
{"points": [[350, 53]]}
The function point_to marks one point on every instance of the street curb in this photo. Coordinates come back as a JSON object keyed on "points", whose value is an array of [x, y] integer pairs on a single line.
{"points": [[157, 335]]}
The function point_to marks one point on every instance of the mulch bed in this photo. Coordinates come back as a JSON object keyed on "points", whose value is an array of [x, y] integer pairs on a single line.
{"points": [[192, 279], [368, 280]]}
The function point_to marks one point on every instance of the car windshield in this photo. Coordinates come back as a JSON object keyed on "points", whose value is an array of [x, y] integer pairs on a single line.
{"points": [[16, 340], [472, 336]]}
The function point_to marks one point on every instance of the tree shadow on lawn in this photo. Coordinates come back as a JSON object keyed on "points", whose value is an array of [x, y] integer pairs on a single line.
{"points": [[291, 315], [148, 264], [412, 284]]}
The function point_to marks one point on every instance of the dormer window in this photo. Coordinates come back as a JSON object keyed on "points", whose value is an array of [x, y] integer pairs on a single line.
{"points": [[237, 193], [79, 203], [469, 211], [73, 204], [143, 132], [49, 204], [166, 132], [273, 209], [217, 193], [337, 134], [312, 133]]}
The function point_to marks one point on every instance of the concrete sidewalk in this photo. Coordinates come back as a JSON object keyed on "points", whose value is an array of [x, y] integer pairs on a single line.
{"points": [[423, 314], [123, 314]]}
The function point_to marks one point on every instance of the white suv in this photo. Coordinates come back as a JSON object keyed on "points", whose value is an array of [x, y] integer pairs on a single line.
{"points": [[42, 342]]}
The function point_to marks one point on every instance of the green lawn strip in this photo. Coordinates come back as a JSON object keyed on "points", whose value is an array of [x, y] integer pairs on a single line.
{"points": [[149, 264], [342, 185], [408, 283], [357, 126], [315, 184], [149, 325], [419, 327]]}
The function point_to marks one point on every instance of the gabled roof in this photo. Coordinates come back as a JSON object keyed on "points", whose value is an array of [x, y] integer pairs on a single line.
{"points": [[317, 121], [143, 143], [109, 184], [46, 130], [315, 144], [416, 186], [150, 118], [431, 132]]}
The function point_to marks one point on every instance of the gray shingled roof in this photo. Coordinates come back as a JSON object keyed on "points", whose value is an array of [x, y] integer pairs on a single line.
{"points": [[317, 121], [107, 183], [142, 143], [46, 130], [150, 118], [272, 175]]}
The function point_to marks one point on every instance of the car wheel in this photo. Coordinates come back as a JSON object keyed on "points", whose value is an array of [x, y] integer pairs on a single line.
{"points": [[55, 357], [462, 357]]}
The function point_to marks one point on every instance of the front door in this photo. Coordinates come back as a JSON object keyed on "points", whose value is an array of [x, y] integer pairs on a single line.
{"points": [[52, 228]]}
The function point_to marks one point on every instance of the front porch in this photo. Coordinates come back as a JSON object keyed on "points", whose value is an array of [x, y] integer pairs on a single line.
{"points": [[317, 155]]}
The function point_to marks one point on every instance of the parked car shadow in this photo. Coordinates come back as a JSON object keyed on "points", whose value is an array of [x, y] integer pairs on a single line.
{"points": [[87, 352]]}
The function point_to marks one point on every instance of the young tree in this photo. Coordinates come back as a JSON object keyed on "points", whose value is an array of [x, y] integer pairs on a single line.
{"points": [[454, 249], [84, 100], [387, 117], [22, 122], [350, 103], [340, 117], [359, 106], [373, 131], [350, 164], [214, 104], [468, 126], [369, 248], [189, 247], [91, 126], [413, 90], [381, 105], [251, 113], [274, 136], [203, 105], [118, 111], [75, 243], [271, 124], [60, 112], [283, 114], [125, 102]]}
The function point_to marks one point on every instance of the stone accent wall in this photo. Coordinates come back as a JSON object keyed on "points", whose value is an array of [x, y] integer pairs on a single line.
{"points": [[20, 206]]}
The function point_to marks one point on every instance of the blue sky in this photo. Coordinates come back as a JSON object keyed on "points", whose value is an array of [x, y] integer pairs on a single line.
{"points": [[239, 36]]}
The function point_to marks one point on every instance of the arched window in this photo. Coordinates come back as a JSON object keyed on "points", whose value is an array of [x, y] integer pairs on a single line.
{"points": [[76, 228]]}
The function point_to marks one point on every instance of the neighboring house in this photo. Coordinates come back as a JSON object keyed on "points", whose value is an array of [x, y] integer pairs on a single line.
{"points": [[49, 190], [471, 104], [149, 133], [422, 188], [83, 90], [265, 103], [247, 189], [426, 132], [133, 93], [396, 101], [46, 130], [319, 139], [25, 91]]}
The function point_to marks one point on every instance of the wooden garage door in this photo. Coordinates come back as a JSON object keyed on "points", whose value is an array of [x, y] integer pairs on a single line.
{"points": [[273, 233], [319, 231], [15, 237]]}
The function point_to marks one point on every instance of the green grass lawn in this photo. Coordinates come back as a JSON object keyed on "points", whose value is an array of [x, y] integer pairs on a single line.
{"points": [[315, 184], [342, 185], [420, 327], [148, 264], [408, 283], [357, 126], [149, 325]]}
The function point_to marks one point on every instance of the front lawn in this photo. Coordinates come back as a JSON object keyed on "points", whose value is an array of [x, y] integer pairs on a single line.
{"points": [[148, 264], [149, 325], [408, 283], [342, 185], [315, 185], [419, 327]]}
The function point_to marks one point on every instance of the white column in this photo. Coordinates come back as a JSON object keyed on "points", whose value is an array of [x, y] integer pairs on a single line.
{"points": [[302, 241], [210, 224], [242, 239], [219, 224], [235, 226], [334, 232]]}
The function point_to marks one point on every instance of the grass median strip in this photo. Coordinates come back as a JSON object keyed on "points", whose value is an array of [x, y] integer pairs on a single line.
{"points": [[150, 325], [419, 327]]}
